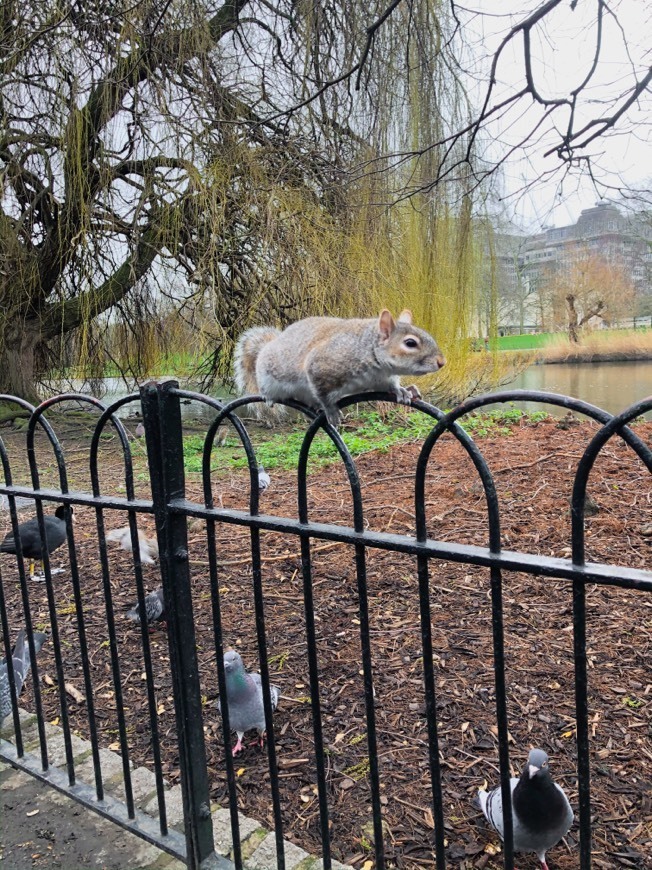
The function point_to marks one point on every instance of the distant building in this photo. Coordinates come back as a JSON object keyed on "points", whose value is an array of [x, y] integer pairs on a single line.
{"points": [[524, 263]]}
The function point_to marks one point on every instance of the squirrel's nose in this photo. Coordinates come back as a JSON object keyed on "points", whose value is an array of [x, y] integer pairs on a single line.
{"points": [[440, 360]]}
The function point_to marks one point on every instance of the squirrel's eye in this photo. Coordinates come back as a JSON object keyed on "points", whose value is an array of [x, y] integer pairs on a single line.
{"points": [[411, 342]]}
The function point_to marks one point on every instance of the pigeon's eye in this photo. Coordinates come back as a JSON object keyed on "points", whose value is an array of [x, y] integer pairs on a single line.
{"points": [[545, 764], [411, 342]]}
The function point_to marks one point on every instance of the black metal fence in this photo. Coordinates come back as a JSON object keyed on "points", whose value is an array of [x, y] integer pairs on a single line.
{"points": [[171, 509]]}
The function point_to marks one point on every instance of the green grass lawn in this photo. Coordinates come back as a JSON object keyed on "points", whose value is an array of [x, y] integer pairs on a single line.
{"points": [[527, 342], [372, 432], [541, 339]]}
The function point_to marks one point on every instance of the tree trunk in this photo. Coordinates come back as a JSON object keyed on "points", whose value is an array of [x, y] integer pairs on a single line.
{"points": [[572, 319], [17, 360]]}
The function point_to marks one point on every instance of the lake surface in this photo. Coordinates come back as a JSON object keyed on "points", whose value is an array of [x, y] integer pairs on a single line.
{"points": [[612, 386]]}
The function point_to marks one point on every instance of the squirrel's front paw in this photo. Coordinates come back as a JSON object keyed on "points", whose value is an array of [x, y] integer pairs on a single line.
{"points": [[333, 414], [334, 418], [404, 395]]}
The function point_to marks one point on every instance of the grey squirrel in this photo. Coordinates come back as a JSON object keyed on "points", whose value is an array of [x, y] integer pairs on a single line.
{"points": [[319, 360]]}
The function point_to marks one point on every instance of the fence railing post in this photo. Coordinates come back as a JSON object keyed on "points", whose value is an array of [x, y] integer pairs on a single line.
{"points": [[163, 433]]}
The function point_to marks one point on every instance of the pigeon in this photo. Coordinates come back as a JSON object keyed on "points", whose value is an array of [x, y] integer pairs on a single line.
{"points": [[30, 537], [244, 694], [541, 812], [154, 608], [21, 663], [140, 430], [148, 547], [264, 479]]}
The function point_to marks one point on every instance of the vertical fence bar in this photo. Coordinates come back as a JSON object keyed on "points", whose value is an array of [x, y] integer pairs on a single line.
{"points": [[582, 722], [163, 433], [501, 714], [318, 731], [221, 679], [367, 669], [581, 672], [431, 711], [259, 608]]}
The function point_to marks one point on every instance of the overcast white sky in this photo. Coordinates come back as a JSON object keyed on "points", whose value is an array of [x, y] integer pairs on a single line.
{"points": [[563, 49]]}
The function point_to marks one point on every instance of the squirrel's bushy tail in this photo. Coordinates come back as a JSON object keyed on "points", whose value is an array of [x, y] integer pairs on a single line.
{"points": [[247, 348]]}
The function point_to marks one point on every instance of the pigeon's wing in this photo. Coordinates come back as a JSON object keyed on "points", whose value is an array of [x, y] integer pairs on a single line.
{"points": [[274, 691], [21, 664], [569, 817], [154, 605], [117, 534], [5, 693], [264, 479], [492, 806]]}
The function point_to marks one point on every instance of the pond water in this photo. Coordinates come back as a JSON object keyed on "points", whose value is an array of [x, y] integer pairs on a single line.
{"points": [[612, 386], [116, 388]]}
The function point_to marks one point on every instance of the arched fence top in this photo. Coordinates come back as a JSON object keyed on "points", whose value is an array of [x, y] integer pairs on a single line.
{"points": [[615, 426]]}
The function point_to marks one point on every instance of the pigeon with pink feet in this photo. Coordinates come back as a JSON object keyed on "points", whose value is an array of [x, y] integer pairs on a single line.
{"points": [[244, 693], [541, 812]]}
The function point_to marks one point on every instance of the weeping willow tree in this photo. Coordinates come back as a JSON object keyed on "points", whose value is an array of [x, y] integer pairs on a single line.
{"points": [[175, 171]]}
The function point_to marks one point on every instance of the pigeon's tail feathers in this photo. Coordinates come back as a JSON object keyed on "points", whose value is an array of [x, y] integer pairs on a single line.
{"points": [[482, 800], [20, 646], [21, 660], [39, 639]]}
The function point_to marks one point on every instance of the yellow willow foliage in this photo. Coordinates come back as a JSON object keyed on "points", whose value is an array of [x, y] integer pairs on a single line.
{"points": [[426, 259]]}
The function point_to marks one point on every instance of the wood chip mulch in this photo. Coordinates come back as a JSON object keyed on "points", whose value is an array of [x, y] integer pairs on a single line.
{"points": [[533, 467]]}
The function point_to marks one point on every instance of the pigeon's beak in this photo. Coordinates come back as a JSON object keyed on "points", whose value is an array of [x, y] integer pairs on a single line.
{"points": [[533, 770]]}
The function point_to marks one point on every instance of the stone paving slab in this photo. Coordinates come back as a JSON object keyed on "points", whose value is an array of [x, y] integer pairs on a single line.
{"points": [[264, 857], [42, 828], [110, 764], [251, 832], [173, 807]]}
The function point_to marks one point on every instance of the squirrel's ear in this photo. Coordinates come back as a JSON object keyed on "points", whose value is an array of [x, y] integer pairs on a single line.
{"points": [[405, 316], [386, 323]]}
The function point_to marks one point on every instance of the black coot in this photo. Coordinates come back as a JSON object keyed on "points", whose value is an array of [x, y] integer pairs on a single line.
{"points": [[30, 537]]}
